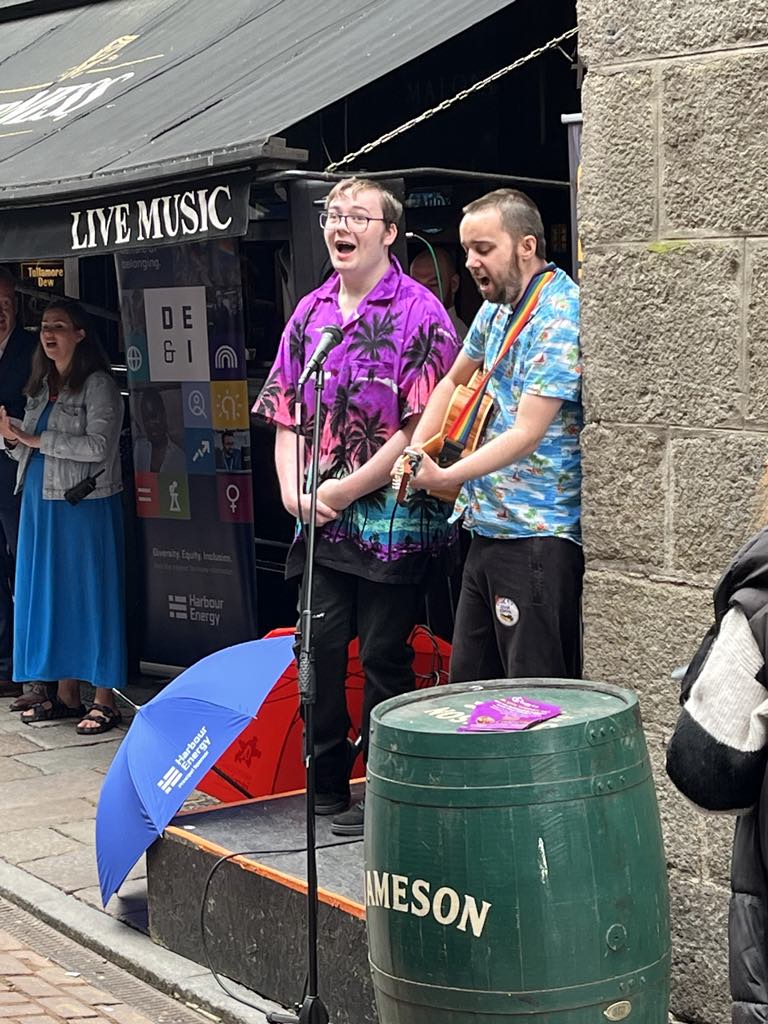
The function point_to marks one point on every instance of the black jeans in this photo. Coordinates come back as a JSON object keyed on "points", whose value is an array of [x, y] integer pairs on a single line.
{"points": [[9, 535], [382, 615], [519, 612]]}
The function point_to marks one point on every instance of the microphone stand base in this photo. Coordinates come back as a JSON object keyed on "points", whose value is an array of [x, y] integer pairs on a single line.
{"points": [[312, 1012]]}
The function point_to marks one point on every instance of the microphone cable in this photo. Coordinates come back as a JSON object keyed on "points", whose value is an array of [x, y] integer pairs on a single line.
{"points": [[204, 900]]}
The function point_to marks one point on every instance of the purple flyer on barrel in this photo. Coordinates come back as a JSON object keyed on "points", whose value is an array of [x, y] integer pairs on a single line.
{"points": [[508, 714]]}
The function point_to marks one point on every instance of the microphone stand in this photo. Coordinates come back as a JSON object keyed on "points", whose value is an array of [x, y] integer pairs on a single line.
{"points": [[311, 1010]]}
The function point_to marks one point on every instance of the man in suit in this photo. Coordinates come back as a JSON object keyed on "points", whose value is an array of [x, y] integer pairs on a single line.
{"points": [[16, 348], [229, 458]]}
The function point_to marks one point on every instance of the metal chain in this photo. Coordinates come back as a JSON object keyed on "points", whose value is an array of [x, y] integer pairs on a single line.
{"points": [[454, 99]]}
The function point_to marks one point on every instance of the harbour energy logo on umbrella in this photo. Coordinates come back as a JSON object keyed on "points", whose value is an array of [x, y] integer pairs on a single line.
{"points": [[172, 778], [190, 760]]}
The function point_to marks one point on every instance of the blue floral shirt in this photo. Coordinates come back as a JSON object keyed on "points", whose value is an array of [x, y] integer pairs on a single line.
{"points": [[541, 494]]}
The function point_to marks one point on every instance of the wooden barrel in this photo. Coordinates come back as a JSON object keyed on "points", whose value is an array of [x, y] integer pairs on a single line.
{"points": [[515, 874]]}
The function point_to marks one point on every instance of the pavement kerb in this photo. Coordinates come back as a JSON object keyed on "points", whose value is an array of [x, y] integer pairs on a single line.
{"points": [[129, 949]]}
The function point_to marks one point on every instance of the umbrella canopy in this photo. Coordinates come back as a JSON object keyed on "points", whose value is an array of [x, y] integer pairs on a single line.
{"points": [[173, 741], [266, 757]]}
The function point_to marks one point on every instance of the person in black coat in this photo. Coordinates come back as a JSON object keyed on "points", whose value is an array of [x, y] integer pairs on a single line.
{"points": [[718, 756], [16, 347]]}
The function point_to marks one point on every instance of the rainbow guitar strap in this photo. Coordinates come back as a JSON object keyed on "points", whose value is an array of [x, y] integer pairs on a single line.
{"points": [[456, 439]]}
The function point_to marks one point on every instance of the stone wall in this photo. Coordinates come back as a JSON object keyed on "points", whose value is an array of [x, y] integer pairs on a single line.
{"points": [[674, 219]]}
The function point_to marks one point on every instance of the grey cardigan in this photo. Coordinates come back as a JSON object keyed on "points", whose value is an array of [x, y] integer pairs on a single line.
{"points": [[82, 437]]}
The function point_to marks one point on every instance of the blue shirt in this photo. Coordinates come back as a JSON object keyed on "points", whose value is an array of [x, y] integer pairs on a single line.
{"points": [[541, 494]]}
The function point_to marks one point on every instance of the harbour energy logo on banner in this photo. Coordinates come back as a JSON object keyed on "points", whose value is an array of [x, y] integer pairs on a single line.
{"points": [[185, 352]]}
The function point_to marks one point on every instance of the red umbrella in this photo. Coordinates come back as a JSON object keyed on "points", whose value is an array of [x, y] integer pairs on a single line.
{"points": [[266, 757]]}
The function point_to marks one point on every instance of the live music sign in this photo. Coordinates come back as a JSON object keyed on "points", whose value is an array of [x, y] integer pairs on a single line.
{"points": [[166, 215]]}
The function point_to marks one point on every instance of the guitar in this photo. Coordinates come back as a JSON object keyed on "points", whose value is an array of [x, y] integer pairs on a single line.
{"points": [[441, 448]]}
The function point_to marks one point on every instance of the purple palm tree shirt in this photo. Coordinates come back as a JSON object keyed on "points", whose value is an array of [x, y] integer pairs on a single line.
{"points": [[394, 351]]}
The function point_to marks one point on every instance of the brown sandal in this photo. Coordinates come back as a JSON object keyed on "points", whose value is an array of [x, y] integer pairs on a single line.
{"points": [[105, 718], [55, 709], [35, 696]]}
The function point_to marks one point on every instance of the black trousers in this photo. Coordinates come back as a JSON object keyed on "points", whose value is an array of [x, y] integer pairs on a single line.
{"points": [[9, 535], [382, 615], [519, 611]]}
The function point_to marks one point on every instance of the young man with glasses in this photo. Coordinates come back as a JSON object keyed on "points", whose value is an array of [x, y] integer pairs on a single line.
{"points": [[372, 554]]}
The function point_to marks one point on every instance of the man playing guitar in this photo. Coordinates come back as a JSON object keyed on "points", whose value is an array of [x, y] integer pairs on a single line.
{"points": [[519, 609]]}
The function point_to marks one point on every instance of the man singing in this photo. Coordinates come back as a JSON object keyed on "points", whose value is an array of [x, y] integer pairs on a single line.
{"points": [[372, 554], [519, 609]]}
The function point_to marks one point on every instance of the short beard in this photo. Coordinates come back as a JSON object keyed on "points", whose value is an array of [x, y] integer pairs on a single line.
{"points": [[510, 289], [513, 286], [507, 293], [496, 298]]}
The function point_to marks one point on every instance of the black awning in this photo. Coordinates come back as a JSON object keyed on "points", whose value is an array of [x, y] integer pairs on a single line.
{"points": [[118, 94]]}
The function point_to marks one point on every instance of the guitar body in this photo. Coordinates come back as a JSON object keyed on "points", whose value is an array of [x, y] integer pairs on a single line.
{"points": [[444, 449], [435, 446]]}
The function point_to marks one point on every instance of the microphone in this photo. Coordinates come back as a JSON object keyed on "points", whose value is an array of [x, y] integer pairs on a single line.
{"points": [[329, 339]]}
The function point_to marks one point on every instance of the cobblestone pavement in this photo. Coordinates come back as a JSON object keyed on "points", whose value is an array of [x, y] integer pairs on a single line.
{"points": [[46, 978]]}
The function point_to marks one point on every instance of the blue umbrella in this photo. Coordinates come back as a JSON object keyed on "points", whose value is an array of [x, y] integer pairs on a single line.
{"points": [[173, 741]]}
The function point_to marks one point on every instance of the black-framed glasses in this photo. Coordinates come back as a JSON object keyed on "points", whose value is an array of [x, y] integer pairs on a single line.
{"points": [[355, 222]]}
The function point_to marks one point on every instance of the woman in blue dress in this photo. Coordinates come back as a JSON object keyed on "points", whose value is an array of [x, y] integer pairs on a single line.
{"points": [[69, 600]]}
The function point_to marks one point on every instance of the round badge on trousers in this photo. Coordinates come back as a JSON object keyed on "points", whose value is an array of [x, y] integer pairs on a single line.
{"points": [[507, 611]]}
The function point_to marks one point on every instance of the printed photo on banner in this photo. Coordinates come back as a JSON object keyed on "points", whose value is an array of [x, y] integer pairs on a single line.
{"points": [[233, 451], [223, 314], [192, 262], [214, 263], [158, 429]]}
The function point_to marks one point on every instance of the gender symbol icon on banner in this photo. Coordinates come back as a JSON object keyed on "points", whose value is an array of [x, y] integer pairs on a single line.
{"points": [[233, 496]]}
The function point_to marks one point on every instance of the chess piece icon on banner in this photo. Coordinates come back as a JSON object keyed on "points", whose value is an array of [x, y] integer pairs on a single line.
{"points": [[173, 493]]}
